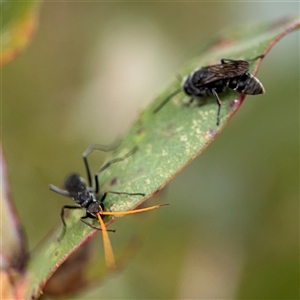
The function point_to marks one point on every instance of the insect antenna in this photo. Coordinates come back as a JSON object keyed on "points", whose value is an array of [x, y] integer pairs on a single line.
{"points": [[108, 252], [129, 212], [179, 77], [161, 105], [157, 109]]}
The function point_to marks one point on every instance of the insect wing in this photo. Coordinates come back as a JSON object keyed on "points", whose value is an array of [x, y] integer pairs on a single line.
{"points": [[234, 68], [227, 69]]}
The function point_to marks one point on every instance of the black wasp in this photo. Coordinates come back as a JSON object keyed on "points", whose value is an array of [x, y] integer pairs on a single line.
{"points": [[214, 79], [89, 198]]}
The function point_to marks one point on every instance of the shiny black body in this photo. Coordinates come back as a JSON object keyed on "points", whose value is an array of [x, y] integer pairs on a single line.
{"points": [[232, 74], [214, 79], [245, 83], [88, 197]]}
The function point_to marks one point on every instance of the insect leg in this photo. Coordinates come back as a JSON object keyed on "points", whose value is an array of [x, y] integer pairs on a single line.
{"points": [[225, 60], [110, 162], [124, 193], [119, 193], [255, 58], [189, 102], [91, 148], [62, 215], [219, 105]]}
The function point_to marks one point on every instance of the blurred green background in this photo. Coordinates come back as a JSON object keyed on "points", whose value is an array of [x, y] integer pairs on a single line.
{"points": [[232, 229]]}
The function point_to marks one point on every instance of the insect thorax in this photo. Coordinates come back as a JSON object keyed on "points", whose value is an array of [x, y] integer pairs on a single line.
{"points": [[85, 198]]}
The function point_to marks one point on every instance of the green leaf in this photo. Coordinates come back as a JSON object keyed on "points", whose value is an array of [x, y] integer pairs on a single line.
{"points": [[18, 23], [167, 142]]}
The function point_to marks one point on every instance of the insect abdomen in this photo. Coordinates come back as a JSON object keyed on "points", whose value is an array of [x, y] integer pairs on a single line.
{"points": [[246, 84]]}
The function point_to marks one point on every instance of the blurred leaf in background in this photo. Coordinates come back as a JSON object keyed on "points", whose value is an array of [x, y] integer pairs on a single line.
{"points": [[232, 230], [18, 23]]}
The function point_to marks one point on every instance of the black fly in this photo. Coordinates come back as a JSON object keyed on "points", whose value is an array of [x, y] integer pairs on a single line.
{"points": [[214, 79], [89, 198]]}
